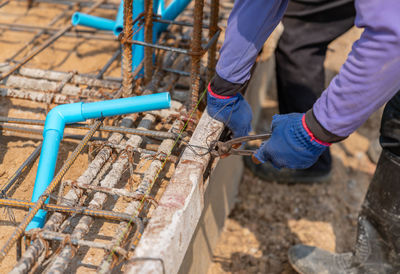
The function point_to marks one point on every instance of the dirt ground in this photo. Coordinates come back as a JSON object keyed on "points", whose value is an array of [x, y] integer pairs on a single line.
{"points": [[269, 217]]}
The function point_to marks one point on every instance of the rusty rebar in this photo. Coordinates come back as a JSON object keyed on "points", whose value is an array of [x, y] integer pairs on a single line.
{"points": [[212, 52], [106, 214], [31, 158], [127, 78], [66, 238], [148, 38], [18, 232], [196, 47], [122, 130]]}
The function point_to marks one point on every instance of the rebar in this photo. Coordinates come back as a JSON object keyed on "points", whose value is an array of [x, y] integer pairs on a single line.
{"points": [[107, 6], [65, 238], [77, 79], [31, 158], [107, 190], [130, 149], [122, 130], [148, 38], [127, 78], [196, 47], [108, 64], [212, 52], [106, 214], [4, 3], [54, 183]]}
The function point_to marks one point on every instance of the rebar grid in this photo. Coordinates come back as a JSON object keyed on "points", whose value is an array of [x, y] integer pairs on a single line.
{"points": [[64, 92]]}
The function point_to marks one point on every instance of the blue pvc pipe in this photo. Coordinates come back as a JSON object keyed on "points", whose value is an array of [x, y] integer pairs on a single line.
{"points": [[170, 13], [137, 51], [61, 115], [91, 21], [119, 20]]}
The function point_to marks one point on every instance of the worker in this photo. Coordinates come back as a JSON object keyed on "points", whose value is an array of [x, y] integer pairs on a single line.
{"points": [[368, 79], [309, 26]]}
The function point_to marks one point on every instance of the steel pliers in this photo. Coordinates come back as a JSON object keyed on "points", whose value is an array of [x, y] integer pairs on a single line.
{"points": [[231, 147]]}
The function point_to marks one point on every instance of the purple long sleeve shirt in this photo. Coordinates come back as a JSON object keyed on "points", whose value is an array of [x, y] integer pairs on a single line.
{"points": [[367, 80]]}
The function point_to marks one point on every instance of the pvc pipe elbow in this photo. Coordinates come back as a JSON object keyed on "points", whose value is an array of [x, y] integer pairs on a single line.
{"points": [[71, 113], [61, 115]]}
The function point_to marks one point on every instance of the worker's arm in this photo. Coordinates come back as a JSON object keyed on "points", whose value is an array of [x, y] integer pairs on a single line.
{"points": [[368, 79], [250, 24]]}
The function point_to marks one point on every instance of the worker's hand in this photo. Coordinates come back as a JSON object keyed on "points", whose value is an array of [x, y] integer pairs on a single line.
{"points": [[292, 144], [233, 111]]}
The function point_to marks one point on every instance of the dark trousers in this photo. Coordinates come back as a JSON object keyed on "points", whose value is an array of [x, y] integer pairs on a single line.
{"points": [[390, 126], [309, 26]]}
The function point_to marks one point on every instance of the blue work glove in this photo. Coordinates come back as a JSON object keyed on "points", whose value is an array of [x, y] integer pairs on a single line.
{"points": [[292, 144], [233, 111]]}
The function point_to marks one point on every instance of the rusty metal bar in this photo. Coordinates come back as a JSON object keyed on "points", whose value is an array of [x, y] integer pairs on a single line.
{"points": [[212, 52], [78, 79], [151, 153], [31, 158], [196, 47], [127, 78], [107, 190], [179, 23], [29, 28], [108, 64], [107, 6], [106, 214], [122, 130], [148, 38], [54, 183], [66, 238], [4, 3]]}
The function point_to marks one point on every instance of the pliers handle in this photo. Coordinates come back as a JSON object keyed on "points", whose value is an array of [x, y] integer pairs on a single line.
{"points": [[228, 147]]}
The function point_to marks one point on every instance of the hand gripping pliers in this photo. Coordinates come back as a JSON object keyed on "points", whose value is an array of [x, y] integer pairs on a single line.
{"points": [[232, 146]]}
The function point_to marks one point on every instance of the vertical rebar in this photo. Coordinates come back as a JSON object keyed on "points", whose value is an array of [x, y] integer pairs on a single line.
{"points": [[148, 38], [127, 79], [212, 51], [196, 49]]}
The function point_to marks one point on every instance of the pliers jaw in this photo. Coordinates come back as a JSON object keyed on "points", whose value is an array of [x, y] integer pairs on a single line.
{"points": [[231, 147]]}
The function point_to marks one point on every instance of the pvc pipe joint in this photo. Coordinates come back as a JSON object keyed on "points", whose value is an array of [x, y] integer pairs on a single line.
{"points": [[61, 115]]}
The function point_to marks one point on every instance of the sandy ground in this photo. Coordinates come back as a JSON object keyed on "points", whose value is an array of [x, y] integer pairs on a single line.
{"points": [[269, 217]]}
